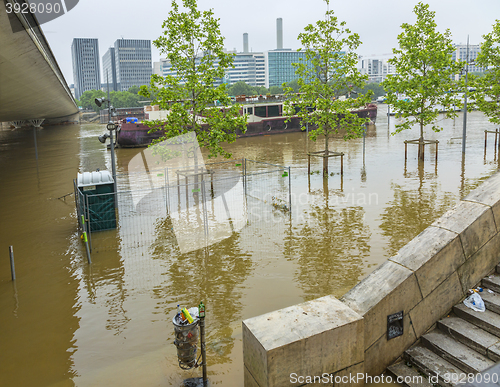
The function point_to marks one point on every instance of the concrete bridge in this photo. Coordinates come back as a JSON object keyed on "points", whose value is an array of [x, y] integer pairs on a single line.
{"points": [[32, 87]]}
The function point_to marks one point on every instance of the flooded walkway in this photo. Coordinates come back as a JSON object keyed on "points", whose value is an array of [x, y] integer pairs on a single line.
{"points": [[65, 323]]}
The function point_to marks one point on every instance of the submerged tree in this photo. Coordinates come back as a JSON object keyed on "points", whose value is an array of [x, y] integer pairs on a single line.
{"points": [[326, 76], [194, 94], [487, 96], [425, 74]]}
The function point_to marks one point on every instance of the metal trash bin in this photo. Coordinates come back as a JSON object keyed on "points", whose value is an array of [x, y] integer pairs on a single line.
{"points": [[97, 199], [186, 341]]}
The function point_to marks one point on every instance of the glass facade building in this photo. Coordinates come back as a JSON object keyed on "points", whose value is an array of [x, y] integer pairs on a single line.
{"points": [[109, 70], [279, 67], [270, 68], [460, 53], [86, 74], [133, 64], [249, 68]]}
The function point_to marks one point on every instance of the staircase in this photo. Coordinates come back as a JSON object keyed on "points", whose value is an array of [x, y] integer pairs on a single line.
{"points": [[464, 343]]}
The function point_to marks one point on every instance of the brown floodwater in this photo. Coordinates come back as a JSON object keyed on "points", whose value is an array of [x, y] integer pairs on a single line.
{"points": [[64, 322]]}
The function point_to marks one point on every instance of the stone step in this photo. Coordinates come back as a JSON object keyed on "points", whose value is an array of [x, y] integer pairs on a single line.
{"points": [[472, 336], [487, 320], [408, 376], [491, 300], [458, 354], [431, 365], [492, 282]]}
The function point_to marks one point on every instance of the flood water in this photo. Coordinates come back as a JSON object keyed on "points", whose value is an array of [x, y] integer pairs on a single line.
{"points": [[64, 322]]}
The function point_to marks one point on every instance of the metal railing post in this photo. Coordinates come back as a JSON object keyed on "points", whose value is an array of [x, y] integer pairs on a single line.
{"points": [[289, 190], [12, 267]]}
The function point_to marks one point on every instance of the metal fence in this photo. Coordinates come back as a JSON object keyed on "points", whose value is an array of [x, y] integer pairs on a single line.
{"points": [[187, 208]]}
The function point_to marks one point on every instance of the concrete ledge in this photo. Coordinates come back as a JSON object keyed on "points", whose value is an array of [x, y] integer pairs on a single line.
{"points": [[313, 338], [433, 255], [489, 195], [436, 305], [480, 264], [384, 351], [473, 221], [389, 289]]}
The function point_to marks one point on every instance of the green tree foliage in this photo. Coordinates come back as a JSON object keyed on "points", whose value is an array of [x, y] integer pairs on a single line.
{"points": [[294, 85], [376, 88], [134, 89], [241, 88], [275, 90], [119, 99], [326, 75], [487, 94], [124, 99], [424, 74], [193, 44], [87, 100]]}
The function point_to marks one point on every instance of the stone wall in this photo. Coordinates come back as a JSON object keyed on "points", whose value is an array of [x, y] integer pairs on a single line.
{"points": [[331, 338]]}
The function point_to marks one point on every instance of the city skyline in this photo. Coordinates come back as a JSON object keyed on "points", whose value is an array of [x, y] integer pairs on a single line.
{"points": [[378, 26]]}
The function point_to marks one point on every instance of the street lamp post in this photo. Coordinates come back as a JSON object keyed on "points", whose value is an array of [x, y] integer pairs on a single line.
{"points": [[467, 63], [111, 126]]}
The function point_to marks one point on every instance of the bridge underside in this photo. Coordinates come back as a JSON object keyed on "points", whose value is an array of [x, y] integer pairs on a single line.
{"points": [[31, 84]]}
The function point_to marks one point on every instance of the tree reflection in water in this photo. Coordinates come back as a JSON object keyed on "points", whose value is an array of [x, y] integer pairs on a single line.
{"points": [[329, 247], [213, 275], [413, 209]]}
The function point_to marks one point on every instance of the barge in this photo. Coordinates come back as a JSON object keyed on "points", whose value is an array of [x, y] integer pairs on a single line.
{"points": [[264, 118]]}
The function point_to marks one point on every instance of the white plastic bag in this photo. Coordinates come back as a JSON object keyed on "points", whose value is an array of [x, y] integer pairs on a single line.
{"points": [[475, 302]]}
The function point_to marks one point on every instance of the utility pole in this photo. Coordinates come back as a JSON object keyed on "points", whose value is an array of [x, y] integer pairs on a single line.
{"points": [[464, 134]]}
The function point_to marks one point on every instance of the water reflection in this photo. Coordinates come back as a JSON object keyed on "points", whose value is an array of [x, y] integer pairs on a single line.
{"points": [[329, 245], [213, 275], [413, 209]]}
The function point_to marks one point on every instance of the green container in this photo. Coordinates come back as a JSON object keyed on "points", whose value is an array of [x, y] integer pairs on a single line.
{"points": [[97, 199]]}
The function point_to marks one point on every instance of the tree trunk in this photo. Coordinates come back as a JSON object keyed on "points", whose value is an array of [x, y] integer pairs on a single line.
{"points": [[325, 159], [421, 146]]}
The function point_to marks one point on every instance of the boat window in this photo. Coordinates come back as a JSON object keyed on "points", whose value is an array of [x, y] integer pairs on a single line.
{"points": [[250, 110], [260, 111], [273, 111]]}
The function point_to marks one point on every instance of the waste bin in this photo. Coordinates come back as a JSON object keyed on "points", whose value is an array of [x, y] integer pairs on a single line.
{"points": [[186, 340], [97, 199]]}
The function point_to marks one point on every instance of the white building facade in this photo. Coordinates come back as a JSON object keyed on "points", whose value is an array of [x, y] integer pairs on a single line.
{"points": [[377, 69]]}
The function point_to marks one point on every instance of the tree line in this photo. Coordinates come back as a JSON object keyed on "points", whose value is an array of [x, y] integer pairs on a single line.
{"points": [[130, 98], [119, 99]]}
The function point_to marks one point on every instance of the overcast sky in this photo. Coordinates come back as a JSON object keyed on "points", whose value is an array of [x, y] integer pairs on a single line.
{"points": [[377, 23]]}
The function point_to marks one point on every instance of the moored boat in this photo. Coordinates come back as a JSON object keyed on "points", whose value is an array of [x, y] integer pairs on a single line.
{"points": [[264, 117]]}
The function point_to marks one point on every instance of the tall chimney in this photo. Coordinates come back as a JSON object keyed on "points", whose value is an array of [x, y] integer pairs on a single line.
{"points": [[245, 43], [279, 33]]}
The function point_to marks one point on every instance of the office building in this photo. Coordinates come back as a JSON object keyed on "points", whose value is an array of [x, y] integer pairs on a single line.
{"points": [[377, 69], [279, 66], [109, 70], [249, 68], [86, 74], [133, 64], [460, 53], [164, 68]]}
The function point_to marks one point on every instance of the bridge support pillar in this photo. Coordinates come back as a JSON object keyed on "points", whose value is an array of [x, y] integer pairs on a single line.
{"points": [[37, 123], [17, 124]]}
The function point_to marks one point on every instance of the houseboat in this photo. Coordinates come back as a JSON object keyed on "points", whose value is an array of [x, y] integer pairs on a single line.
{"points": [[265, 116]]}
